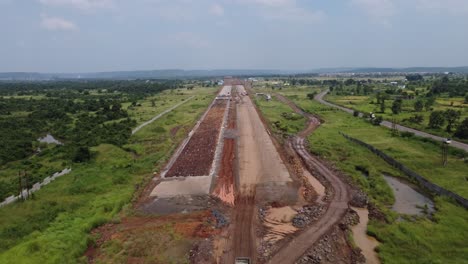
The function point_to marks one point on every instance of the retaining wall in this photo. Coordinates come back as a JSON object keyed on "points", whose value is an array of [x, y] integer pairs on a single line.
{"points": [[423, 182], [36, 187]]}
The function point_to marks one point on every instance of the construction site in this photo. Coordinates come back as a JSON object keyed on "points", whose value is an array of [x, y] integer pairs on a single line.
{"points": [[265, 200]]}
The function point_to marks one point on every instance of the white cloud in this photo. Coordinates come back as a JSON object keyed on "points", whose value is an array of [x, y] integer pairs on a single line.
{"points": [[454, 7], [378, 10], [80, 4], [57, 23], [286, 10], [276, 3], [217, 10]]}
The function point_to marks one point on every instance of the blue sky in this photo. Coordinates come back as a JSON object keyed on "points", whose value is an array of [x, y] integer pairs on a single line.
{"points": [[107, 35]]}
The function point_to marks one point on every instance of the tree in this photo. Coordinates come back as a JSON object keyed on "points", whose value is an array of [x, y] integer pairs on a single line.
{"points": [[437, 119], [396, 106], [311, 96], [429, 103], [349, 82], [452, 116], [462, 130], [377, 120], [418, 105], [382, 105], [153, 103], [82, 154], [414, 77], [466, 98], [416, 119]]}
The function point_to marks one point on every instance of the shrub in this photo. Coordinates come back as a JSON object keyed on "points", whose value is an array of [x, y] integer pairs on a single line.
{"points": [[406, 134], [377, 120]]}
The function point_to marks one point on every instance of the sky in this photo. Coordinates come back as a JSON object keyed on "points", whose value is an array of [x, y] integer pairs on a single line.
{"points": [[113, 35]]}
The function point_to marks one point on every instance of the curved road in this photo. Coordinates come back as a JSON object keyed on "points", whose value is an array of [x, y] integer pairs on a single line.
{"points": [[337, 209], [456, 144]]}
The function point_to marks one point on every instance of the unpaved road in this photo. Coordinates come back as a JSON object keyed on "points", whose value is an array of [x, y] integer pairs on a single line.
{"points": [[138, 128], [337, 209], [456, 144], [259, 161], [259, 164]]}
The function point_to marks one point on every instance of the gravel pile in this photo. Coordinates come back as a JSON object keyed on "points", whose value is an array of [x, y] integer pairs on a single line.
{"points": [[221, 220], [307, 215]]}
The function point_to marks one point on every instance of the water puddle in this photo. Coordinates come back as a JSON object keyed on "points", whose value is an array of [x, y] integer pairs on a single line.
{"points": [[49, 139], [366, 243], [407, 198]]}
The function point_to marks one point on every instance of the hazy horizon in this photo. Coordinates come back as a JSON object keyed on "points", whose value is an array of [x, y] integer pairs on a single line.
{"points": [[84, 36]]}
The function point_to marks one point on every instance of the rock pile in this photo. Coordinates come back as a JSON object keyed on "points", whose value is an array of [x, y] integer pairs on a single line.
{"points": [[221, 220], [307, 215]]}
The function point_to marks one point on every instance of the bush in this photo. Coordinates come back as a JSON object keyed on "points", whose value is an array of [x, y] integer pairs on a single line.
{"points": [[406, 134], [82, 154], [356, 113], [377, 120], [291, 116]]}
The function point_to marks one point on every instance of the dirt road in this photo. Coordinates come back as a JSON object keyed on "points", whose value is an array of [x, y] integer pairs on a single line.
{"points": [[259, 161], [456, 144], [337, 209], [260, 168], [138, 128]]}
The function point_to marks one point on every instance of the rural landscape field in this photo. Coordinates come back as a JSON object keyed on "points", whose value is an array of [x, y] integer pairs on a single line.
{"points": [[233, 132]]}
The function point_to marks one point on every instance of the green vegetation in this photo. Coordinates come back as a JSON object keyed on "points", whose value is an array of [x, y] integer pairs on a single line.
{"points": [[284, 121], [434, 105], [54, 226], [441, 238]]}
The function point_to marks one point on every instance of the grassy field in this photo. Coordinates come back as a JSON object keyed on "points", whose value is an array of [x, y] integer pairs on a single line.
{"points": [[416, 240], [55, 226], [367, 104], [283, 120], [421, 155], [166, 99]]}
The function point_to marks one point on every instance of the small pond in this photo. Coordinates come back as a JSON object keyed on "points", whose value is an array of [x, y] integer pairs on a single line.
{"points": [[49, 139], [408, 198]]}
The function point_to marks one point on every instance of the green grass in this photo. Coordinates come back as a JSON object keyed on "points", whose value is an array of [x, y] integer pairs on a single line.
{"points": [[441, 240], [420, 155], [367, 104], [163, 101], [417, 240], [55, 226], [282, 118]]}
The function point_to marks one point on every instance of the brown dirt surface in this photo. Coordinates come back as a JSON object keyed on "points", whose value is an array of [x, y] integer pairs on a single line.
{"points": [[151, 239], [336, 210], [224, 188], [197, 156]]}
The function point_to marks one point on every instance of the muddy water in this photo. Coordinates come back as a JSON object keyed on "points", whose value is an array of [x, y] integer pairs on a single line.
{"points": [[366, 243], [407, 199]]}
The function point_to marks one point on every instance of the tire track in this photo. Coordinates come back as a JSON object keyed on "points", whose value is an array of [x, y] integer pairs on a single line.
{"points": [[337, 208]]}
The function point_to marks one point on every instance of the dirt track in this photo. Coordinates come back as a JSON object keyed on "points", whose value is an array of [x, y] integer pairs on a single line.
{"points": [[337, 209], [260, 165]]}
